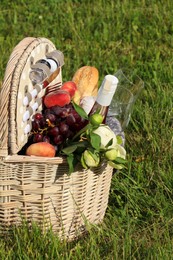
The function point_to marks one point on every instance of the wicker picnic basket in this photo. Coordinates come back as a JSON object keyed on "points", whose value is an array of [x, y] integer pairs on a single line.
{"points": [[37, 188]]}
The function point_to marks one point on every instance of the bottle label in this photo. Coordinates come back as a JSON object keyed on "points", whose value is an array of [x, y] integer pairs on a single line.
{"points": [[53, 65], [87, 103], [44, 61]]}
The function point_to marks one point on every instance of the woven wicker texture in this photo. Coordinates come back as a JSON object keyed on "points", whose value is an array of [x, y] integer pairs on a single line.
{"points": [[46, 194], [36, 188]]}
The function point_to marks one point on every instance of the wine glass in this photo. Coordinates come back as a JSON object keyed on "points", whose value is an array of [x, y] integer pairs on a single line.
{"points": [[128, 90]]}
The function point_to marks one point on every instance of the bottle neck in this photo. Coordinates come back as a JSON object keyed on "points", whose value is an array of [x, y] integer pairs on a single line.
{"points": [[102, 110], [98, 108], [104, 98]]}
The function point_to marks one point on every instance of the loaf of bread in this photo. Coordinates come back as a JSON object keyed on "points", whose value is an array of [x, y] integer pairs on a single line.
{"points": [[86, 79]]}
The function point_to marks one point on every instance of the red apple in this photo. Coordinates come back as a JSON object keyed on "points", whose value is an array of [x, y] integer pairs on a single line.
{"points": [[58, 98], [70, 87]]}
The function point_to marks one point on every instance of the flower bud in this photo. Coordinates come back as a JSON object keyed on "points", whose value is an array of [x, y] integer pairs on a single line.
{"points": [[111, 154], [90, 159]]}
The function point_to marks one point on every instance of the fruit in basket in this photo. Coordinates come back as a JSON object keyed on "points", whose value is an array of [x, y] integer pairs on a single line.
{"points": [[43, 149], [96, 119], [55, 126], [38, 116], [86, 79], [58, 98], [70, 87], [53, 131], [38, 137]]}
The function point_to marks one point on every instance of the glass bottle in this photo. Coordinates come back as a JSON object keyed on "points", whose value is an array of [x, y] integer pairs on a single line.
{"points": [[105, 95], [44, 68]]}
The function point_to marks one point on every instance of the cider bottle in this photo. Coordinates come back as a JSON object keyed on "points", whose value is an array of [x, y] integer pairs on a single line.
{"points": [[104, 97]]}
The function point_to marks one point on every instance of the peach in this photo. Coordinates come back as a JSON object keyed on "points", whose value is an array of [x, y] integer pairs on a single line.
{"points": [[70, 87], [58, 98], [41, 149]]}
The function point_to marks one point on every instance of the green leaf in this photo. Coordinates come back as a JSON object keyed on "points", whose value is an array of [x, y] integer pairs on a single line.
{"points": [[116, 166], [74, 147], [70, 160], [118, 163], [95, 140], [80, 150], [80, 110], [120, 160], [83, 162], [83, 143], [70, 149], [109, 143], [95, 155]]}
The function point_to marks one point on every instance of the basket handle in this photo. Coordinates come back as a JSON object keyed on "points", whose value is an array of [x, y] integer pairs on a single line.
{"points": [[5, 94], [9, 92]]}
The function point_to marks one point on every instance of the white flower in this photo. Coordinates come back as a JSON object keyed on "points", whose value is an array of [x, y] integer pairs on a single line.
{"points": [[106, 134], [121, 152]]}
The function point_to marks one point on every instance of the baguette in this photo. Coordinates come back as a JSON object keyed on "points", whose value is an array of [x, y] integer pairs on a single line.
{"points": [[86, 79]]}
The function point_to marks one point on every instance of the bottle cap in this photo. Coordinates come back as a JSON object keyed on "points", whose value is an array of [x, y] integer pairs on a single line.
{"points": [[110, 83], [107, 90]]}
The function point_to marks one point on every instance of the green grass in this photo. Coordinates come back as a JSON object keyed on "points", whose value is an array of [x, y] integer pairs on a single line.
{"points": [[110, 35]]}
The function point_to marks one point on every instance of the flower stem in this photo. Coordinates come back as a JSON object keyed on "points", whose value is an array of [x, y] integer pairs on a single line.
{"points": [[83, 130]]}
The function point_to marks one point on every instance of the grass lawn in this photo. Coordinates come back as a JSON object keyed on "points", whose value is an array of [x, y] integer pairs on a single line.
{"points": [[110, 35]]}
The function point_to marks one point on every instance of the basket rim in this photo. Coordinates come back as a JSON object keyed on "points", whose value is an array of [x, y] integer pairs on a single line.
{"points": [[34, 159]]}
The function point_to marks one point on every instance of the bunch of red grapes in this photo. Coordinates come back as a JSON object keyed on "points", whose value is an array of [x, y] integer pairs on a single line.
{"points": [[56, 125]]}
